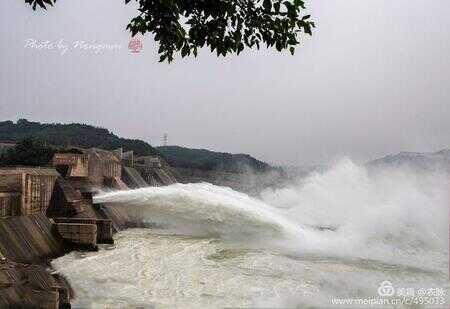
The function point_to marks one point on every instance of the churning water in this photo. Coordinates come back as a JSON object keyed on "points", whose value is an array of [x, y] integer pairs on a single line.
{"points": [[338, 234]]}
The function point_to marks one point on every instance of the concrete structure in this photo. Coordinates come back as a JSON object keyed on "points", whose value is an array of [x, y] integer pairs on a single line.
{"points": [[26, 243], [128, 158], [31, 286], [132, 178], [34, 185], [9, 204], [95, 164], [79, 234], [155, 176], [27, 235], [154, 170], [85, 187], [150, 161], [87, 190], [122, 217], [72, 197], [100, 167], [29, 239], [115, 183], [103, 164], [71, 164], [104, 227], [66, 201]]}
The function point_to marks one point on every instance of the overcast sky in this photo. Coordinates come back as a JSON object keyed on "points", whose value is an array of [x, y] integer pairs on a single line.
{"points": [[374, 79]]}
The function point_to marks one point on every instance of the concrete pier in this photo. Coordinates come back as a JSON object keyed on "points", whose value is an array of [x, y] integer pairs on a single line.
{"points": [[26, 245]]}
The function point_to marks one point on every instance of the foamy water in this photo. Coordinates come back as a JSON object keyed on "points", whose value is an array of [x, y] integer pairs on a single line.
{"points": [[336, 234], [206, 210]]}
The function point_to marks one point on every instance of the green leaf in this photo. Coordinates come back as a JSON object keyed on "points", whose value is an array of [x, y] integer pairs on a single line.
{"points": [[277, 7], [267, 4], [181, 27], [185, 51]]}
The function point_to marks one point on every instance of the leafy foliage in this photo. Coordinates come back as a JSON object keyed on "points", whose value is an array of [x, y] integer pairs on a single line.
{"points": [[209, 160], [225, 26], [74, 134], [29, 152], [42, 3]]}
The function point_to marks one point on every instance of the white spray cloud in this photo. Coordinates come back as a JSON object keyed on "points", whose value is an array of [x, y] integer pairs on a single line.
{"points": [[394, 216], [205, 209]]}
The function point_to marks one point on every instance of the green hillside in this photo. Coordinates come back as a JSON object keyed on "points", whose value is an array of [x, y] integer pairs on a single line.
{"points": [[86, 136], [73, 134], [209, 160]]}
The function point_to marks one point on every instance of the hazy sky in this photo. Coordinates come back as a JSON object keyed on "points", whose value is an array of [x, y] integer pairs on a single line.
{"points": [[374, 79]]}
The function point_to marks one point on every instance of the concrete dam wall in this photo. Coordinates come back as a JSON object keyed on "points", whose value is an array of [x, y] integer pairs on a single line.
{"points": [[26, 245], [132, 178], [29, 239]]}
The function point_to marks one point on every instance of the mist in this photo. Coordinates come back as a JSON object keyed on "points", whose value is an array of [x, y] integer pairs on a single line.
{"points": [[392, 215], [333, 234]]}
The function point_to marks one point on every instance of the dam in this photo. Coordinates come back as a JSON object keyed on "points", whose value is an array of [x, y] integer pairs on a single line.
{"points": [[200, 245], [46, 212]]}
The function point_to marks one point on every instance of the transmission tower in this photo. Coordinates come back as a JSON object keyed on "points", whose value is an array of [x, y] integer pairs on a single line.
{"points": [[165, 139]]}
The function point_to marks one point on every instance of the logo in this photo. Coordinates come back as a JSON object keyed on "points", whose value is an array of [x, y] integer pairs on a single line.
{"points": [[386, 289], [135, 45]]}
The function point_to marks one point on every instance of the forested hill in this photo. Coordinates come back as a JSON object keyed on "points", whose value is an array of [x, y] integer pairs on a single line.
{"points": [[418, 161], [206, 160], [82, 135], [73, 134]]}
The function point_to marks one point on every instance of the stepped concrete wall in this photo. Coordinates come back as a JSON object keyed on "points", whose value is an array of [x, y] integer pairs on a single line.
{"points": [[31, 286], [79, 234], [29, 239], [132, 178], [104, 227], [165, 176], [120, 215], [26, 244]]}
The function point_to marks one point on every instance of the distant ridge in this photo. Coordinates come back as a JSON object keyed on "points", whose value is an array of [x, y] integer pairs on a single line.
{"points": [[203, 159], [87, 136], [74, 134], [423, 161]]}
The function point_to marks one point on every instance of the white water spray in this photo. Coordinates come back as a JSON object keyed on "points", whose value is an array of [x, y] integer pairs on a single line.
{"points": [[339, 234], [393, 216], [205, 210]]}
